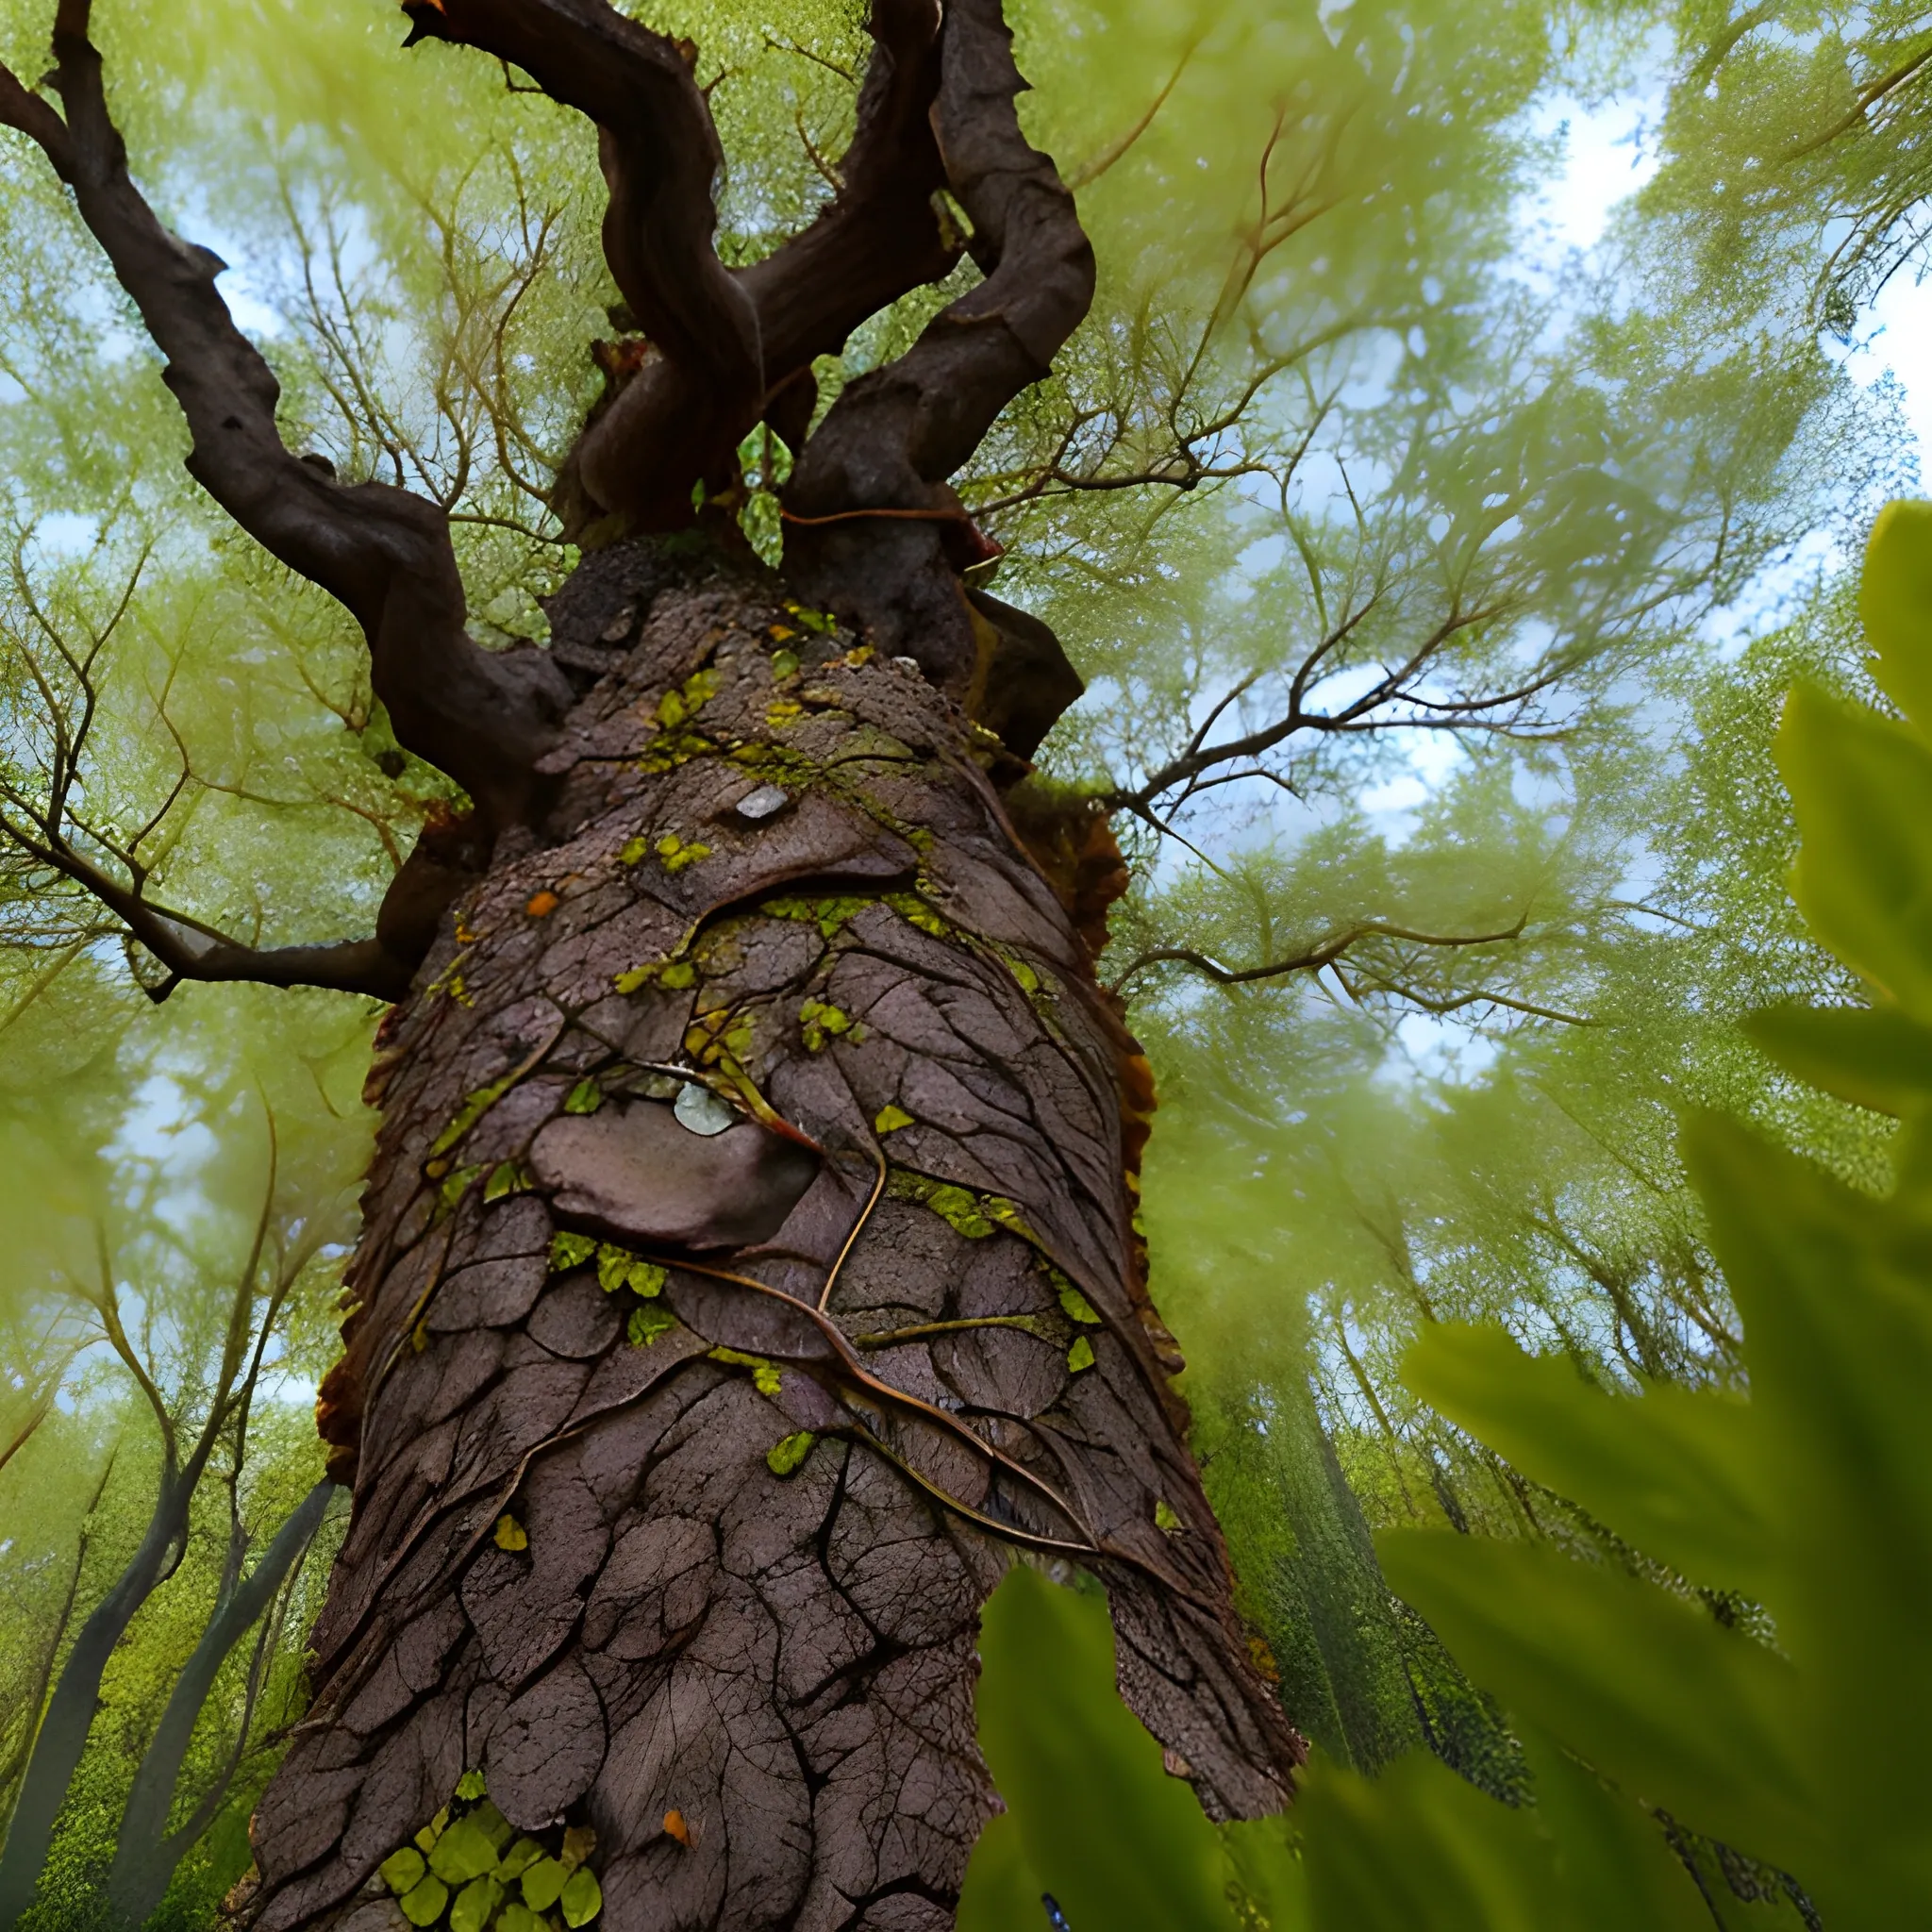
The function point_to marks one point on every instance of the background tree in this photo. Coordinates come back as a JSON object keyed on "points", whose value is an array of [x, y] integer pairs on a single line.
{"points": [[162, 1513]]}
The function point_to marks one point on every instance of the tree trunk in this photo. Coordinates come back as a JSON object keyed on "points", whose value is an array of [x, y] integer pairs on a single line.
{"points": [[688, 1457]]}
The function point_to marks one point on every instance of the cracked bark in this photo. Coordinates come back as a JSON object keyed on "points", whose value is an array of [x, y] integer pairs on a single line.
{"points": [[786, 1661], [748, 1269]]}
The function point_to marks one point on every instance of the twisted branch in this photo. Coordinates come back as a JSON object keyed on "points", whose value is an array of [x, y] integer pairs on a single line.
{"points": [[897, 433]]}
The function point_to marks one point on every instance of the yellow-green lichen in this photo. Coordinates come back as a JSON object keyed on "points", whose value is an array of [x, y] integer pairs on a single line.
{"points": [[678, 706], [674, 974], [675, 855], [830, 915]]}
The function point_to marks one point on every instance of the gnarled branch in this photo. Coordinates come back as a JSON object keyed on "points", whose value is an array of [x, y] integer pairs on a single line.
{"points": [[484, 718], [897, 433], [1312, 959]]}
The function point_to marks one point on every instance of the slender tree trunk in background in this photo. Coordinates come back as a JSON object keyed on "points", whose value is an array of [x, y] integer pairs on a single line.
{"points": [[145, 1850], [748, 1270], [62, 1735]]}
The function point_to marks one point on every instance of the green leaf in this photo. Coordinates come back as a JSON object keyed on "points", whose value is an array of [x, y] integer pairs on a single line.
{"points": [[1617, 1870], [463, 1852], [1420, 1850], [1674, 1472], [489, 1820], [1861, 787], [1648, 1687], [423, 1904], [1002, 1890], [519, 1859], [471, 1786], [570, 1251], [1895, 604], [1116, 1841], [543, 1884], [1081, 1355], [403, 1870], [1078, 1308], [1833, 1287], [517, 1916], [1874, 1056], [582, 1897], [890, 1119], [585, 1097], [476, 1906]]}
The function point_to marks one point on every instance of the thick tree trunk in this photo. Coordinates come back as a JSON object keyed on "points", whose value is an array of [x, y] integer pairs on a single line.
{"points": [[692, 1420]]}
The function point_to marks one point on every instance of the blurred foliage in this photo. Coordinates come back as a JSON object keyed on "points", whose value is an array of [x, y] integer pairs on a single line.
{"points": [[1756, 1675]]}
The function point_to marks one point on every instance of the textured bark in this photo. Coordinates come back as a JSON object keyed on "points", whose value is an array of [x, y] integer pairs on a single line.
{"points": [[784, 1661]]}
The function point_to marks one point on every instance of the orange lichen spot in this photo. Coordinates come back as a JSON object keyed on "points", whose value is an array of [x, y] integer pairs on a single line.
{"points": [[543, 905], [675, 1827]]}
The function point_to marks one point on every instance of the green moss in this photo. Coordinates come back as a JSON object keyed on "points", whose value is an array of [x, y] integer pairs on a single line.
{"points": [[508, 1177], [820, 1021], [570, 1251], [764, 1374], [1080, 1355], [647, 1322], [915, 911], [619, 1268], [473, 1109], [455, 1186], [585, 1097], [786, 1455]]}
